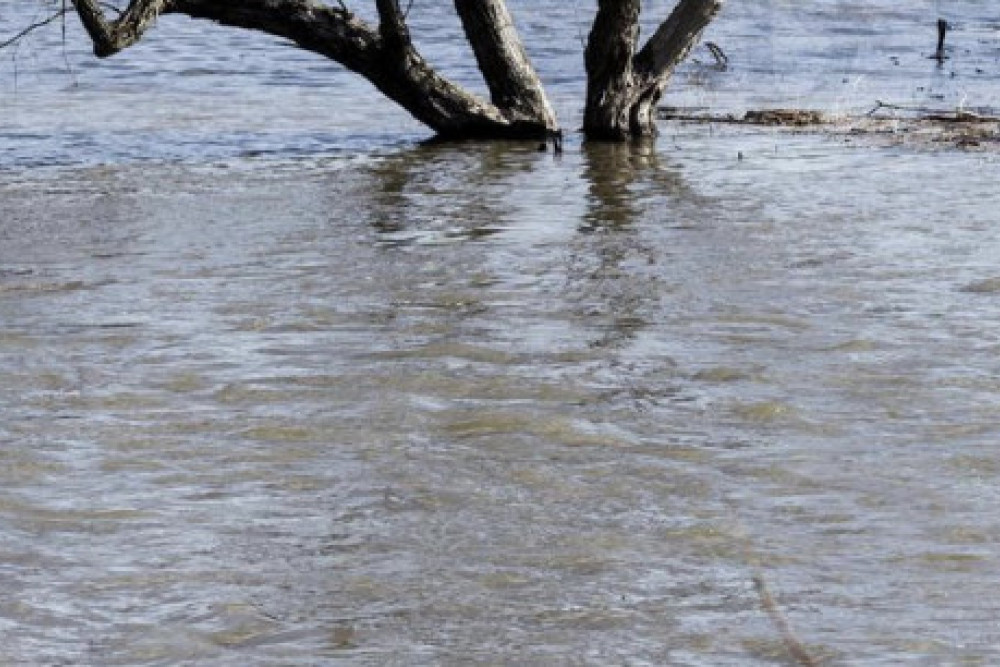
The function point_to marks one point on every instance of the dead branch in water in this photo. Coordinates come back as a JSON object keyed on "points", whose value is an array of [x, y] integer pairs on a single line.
{"points": [[929, 114], [902, 124], [32, 28], [808, 117], [793, 645], [788, 638], [782, 117]]}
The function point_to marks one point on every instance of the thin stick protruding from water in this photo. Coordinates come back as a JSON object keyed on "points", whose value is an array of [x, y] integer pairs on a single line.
{"points": [[942, 27], [788, 638]]}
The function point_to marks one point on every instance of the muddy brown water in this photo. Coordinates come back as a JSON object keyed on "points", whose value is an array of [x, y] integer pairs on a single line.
{"points": [[282, 386]]}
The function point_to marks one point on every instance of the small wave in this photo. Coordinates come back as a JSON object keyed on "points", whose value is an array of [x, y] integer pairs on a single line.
{"points": [[43, 287]]}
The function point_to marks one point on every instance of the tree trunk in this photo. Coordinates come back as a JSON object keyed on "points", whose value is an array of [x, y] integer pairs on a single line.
{"points": [[623, 85], [384, 55], [514, 85]]}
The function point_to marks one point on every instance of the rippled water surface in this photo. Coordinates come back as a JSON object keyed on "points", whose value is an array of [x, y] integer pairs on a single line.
{"points": [[281, 385]]}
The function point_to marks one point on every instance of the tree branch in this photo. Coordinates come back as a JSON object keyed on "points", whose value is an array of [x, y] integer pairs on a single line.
{"points": [[675, 37], [392, 25], [514, 85], [612, 42], [383, 55], [110, 37], [624, 87], [31, 28], [329, 31]]}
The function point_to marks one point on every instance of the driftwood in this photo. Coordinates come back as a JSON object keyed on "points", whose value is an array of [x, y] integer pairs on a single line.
{"points": [[782, 117], [915, 125]]}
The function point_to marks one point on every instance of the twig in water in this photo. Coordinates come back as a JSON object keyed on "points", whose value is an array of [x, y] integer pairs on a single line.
{"points": [[788, 638], [792, 644], [69, 65], [930, 114], [721, 59], [879, 105], [33, 27]]}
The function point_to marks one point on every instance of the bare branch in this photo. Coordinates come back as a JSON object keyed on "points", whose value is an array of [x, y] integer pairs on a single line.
{"points": [[395, 68], [47, 21], [33, 27], [514, 85], [392, 24], [110, 37], [383, 54], [675, 37], [795, 647], [612, 42]]}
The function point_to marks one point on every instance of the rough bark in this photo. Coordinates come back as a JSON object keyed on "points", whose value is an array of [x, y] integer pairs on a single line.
{"points": [[625, 84], [610, 69], [512, 80], [110, 37]]}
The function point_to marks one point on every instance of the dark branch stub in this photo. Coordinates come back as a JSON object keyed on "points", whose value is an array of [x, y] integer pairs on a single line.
{"points": [[110, 37], [392, 25], [721, 59], [939, 54]]}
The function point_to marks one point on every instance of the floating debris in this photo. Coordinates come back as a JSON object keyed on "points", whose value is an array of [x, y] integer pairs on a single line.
{"points": [[962, 128], [789, 117]]}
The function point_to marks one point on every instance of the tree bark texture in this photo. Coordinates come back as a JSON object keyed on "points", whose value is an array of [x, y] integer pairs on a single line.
{"points": [[514, 85], [624, 84]]}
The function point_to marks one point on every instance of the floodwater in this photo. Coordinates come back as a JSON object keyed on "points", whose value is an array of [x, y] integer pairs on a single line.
{"points": [[281, 385]]}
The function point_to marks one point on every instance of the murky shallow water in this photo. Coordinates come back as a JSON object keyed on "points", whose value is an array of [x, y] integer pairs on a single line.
{"points": [[308, 393]]}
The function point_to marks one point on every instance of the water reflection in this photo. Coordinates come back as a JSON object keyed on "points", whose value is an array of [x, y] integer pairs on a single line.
{"points": [[626, 181], [612, 172], [445, 193], [633, 196]]}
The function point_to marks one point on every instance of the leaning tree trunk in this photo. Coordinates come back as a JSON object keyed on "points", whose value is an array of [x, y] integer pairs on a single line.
{"points": [[514, 85], [385, 55], [623, 85]]}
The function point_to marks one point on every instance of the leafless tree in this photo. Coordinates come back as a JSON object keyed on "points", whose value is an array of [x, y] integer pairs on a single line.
{"points": [[625, 79]]}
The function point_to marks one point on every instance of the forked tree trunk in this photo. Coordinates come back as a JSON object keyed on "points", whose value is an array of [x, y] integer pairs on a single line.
{"points": [[623, 86]]}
